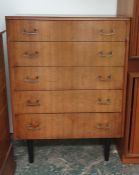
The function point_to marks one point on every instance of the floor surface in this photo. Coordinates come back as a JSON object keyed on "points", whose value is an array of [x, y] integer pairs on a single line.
{"points": [[82, 157]]}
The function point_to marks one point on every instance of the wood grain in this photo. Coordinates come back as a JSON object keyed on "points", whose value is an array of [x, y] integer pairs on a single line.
{"points": [[63, 78], [3, 98], [125, 7], [4, 138], [134, 142], [65, 57], [131, 8], [67, 53], [68, 101], [18, 30], [128, 146], [60, 126], [7, 164]]}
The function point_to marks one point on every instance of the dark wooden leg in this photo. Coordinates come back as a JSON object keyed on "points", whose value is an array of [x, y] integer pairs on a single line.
{"points": [[107, 144], [30, 151]]}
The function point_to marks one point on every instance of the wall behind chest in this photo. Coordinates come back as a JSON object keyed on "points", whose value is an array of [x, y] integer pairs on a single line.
{"points": [[84, 7], [96, 7]]}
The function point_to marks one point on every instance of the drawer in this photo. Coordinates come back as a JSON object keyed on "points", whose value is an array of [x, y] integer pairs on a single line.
{"points": [[3, 98], [67, 53], [61, 126], [67, 101], [43, 30], [61, 78]]}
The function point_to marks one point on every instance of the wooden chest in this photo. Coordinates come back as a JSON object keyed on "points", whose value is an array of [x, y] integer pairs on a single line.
{"points": [[68, 76]]}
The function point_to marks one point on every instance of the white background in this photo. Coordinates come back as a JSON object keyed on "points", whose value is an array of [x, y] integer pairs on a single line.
{"points": [[94, 7], [82, 7]]}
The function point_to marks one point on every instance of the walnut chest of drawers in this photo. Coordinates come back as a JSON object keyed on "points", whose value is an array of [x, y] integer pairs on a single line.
{"points": [[68, 76]]}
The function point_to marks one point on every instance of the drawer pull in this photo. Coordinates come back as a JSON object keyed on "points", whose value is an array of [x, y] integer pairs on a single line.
{"points": [[103, 102], [32, 80], [31, 55], [33, 127], [33, 32], [102, 54], [101, 78], [33, 103], [112, 32], [103, 126]]}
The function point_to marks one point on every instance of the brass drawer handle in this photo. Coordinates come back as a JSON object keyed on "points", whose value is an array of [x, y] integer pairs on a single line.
{"points": [[31, 55], [102, 54], [103, 126], [32, 80], [33, 127], [103, 102], [33, 32], [112, 32], [33, 103], [101, 78]]}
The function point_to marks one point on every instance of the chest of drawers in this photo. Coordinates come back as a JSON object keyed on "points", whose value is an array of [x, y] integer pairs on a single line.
{"points": [[68, 76]]}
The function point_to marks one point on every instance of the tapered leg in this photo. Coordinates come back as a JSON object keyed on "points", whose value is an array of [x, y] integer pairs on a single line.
{"points": [[30, 151], [107, 144]]}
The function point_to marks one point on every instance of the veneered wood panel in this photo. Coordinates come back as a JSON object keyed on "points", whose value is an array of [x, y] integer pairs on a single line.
{"points": [[133, 65], [66, 53], [134, 37], [134, 142], [4, 125], [3, 98], [2, 78], [131, 8], [69, 53], [4, 135], [60, 126], [128, 147], [60, 78], [68, 101], [39, 30], [125, 7], [7, 164], [4, 146]]}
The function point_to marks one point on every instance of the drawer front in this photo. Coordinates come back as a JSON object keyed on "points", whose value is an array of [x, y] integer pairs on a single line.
{"points": [[33, 30], [60, 78], [67, 53], [67, 101], [60, 126]]}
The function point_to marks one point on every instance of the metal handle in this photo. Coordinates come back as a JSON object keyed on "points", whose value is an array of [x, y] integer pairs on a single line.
{"points": [[101, 78], [33, 103], [103, 102], [33, 126], [31, 55], [112, 32], [32, 80], [102, 54], [33, 32], [103, 126]]}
